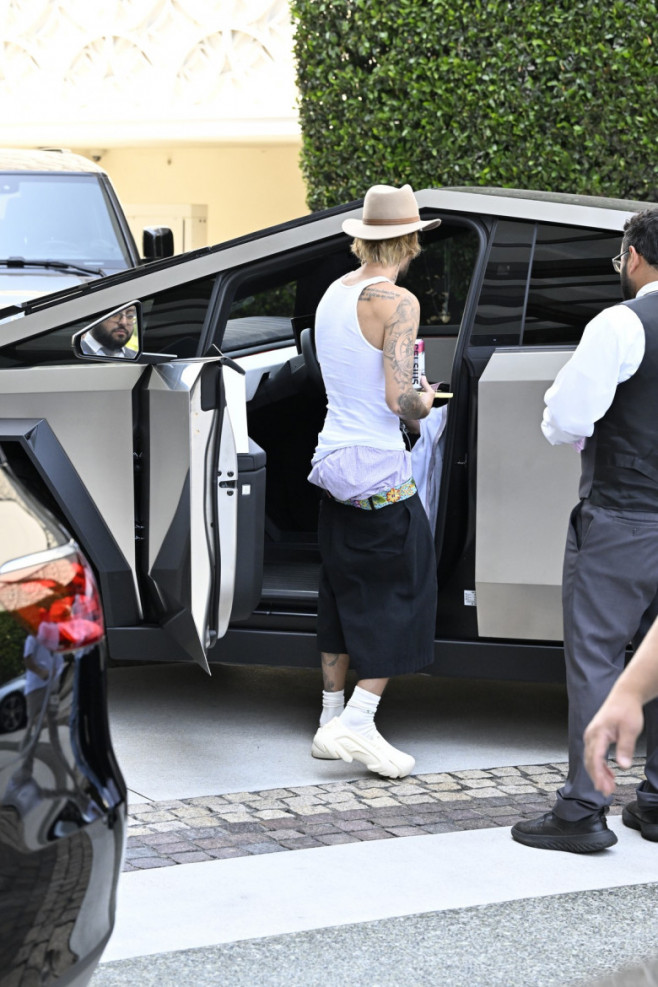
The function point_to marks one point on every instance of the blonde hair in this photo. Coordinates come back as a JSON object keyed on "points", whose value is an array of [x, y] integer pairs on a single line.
{"points": [[387, 252]]}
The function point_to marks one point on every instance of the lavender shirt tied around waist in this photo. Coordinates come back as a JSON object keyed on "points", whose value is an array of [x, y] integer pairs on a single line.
{"points": [[360, 471]]}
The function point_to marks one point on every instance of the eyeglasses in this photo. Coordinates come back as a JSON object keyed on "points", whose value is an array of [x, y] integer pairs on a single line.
{"points": [[616, 261], [128, 317]]}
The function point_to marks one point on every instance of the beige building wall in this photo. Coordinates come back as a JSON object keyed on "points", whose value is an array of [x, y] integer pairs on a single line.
{"points": [[242, 186], [185, 103]]}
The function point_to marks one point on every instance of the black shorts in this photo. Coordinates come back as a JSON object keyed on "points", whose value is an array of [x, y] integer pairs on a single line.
{"points": [[377, 598]]}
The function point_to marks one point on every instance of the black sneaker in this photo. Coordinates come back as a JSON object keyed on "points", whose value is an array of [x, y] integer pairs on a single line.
{"points": [[549, 832], [646, 820]]}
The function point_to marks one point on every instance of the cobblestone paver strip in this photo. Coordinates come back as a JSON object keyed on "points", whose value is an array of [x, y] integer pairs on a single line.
{"points": [[161, 834]]}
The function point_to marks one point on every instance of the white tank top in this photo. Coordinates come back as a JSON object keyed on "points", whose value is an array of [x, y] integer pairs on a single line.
{"points": [[353, 373]]}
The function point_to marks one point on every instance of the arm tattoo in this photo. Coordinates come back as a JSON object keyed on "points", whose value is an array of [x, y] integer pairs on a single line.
{"points": [[411, 407], [377, 291], [399, 337]]}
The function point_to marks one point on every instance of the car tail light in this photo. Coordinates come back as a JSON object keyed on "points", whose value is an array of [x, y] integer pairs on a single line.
{"points": [[54, 596]]}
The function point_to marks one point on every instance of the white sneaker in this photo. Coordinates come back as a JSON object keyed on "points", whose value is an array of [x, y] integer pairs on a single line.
{"points": [[318, 749], [334, 740]]}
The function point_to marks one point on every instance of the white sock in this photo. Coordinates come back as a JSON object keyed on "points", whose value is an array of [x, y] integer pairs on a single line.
{"points": [[359, 714], [333, 704]]}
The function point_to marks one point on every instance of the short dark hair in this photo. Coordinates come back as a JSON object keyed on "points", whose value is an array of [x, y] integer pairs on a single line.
{"points": [[641, 232]]}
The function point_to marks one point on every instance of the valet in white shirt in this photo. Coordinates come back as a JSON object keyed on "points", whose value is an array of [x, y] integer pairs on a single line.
{"points": [[605, 401], [610, 351]]}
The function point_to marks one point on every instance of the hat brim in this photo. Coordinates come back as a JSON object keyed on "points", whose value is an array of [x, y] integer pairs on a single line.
{"points": [[356, 228]]}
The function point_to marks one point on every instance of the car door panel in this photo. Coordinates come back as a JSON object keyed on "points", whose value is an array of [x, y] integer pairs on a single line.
{"points": [[526, 489], [89, 409], [196, 431], [227, 509]]}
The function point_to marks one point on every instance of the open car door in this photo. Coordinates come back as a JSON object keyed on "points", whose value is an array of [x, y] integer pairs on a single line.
{"points": [[526, 490], [203, 492]]}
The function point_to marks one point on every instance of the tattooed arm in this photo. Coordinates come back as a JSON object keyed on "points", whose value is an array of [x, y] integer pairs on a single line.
{"points": [[400, 331]]}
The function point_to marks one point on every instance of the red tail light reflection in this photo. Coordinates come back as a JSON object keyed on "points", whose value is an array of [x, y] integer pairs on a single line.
{"points": [[56, 600]]}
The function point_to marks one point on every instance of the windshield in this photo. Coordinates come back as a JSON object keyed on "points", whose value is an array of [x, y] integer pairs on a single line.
{"points": [[60, 217]]}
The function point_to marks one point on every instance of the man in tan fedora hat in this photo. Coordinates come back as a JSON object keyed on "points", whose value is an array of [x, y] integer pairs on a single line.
{"points": [[377, 598]]}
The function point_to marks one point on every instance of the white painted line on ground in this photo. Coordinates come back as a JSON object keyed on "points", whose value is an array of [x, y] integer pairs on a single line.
{"points": [[196, 905]]}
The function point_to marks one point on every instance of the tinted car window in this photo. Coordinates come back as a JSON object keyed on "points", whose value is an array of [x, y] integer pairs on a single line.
{"points": [[51, 347], [543, 283], [173, 319], [572, 279], [273, 304], [260, 315], [501, 307], [440, 277], [265, 305]]}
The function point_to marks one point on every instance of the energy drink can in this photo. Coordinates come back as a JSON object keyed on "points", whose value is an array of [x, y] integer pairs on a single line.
{"points": [[419, 364]]}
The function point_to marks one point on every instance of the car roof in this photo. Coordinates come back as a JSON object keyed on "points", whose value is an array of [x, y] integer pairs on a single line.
{"points": [[535, 205], [560, 198], [118, 290], [52, 159]]}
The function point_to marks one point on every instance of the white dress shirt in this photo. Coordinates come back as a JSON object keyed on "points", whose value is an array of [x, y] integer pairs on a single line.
{"points": [[90, 345], [610, 351]]}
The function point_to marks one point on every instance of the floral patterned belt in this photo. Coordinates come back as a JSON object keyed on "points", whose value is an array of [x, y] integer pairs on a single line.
{"points": [[382, 499]]}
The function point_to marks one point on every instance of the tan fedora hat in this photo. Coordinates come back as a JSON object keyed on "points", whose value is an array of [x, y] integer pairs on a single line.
{"points": [[388, 212]]}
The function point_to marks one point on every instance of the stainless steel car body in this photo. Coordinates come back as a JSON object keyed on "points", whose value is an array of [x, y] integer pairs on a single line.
{"points": [[516, 275], [85, 405]]}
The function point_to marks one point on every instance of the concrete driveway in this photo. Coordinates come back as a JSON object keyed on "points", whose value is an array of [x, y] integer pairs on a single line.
{"points": [[250, 863]]}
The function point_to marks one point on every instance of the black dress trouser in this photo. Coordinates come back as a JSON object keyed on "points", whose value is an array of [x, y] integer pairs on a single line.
{"points": [[609, 596]]}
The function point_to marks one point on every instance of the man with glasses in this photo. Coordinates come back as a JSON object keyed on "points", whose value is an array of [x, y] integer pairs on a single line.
{"points": [[604, 401], [109, 337]]}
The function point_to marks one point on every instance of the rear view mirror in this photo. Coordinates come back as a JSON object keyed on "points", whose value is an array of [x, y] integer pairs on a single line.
{"points": [[117, 335]]}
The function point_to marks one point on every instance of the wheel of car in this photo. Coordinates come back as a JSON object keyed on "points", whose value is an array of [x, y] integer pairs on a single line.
{"points": [[12, 712]]}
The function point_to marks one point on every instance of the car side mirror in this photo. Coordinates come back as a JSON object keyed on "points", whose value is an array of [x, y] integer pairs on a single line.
{"points": [[117, 335], [157, 242]]}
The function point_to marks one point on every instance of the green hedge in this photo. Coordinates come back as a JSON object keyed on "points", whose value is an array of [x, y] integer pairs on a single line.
{"points": [[12, 641], [554, 95]]}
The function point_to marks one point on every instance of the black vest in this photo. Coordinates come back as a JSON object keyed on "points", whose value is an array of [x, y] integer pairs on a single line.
{"points": [[620, 461]]}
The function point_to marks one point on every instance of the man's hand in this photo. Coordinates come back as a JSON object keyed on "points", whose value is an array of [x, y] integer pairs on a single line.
{"points": [[417, 404], [428, 393], [619, 721], [413, 424]]}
